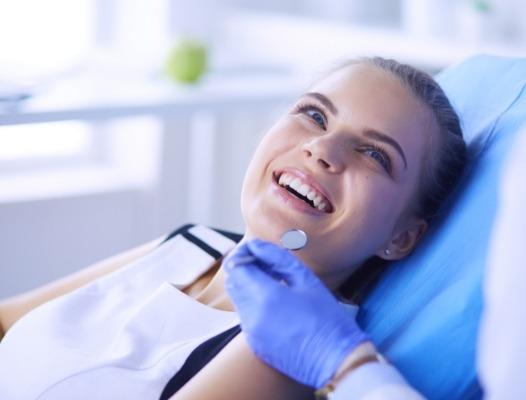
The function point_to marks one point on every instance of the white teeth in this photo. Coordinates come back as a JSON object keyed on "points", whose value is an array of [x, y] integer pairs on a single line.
{"points": [[295, 184], [303, 189]]}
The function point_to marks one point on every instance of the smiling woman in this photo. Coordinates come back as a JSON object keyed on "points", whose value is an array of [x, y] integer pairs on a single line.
{"points": [[360, 163], [358, 143]]}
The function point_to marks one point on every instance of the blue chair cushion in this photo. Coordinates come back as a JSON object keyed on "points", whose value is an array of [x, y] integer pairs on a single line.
{"points": [[424, 312]]}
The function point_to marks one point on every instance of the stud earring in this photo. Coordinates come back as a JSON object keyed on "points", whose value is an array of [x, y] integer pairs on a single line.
{"points": [[387, 252]]}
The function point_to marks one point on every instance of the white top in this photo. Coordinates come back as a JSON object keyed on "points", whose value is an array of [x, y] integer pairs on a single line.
{"points": [[120, 337]]}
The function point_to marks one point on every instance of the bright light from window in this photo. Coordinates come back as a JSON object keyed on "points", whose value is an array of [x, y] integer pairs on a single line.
{"points": [[39, 37], [49, 140]]}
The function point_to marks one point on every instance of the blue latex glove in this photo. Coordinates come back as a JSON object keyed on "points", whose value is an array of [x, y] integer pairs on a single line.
{"points": [[299, 327]]}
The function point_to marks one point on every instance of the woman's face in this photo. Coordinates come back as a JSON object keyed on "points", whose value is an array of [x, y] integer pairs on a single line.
{"points": [[354, 145]]}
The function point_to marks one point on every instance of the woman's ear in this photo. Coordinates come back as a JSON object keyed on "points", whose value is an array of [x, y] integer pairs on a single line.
{"points": [[404, 241]]}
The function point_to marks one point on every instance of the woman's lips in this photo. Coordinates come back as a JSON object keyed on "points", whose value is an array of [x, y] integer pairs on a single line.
{"points": [[292, 201], [310, 181]]}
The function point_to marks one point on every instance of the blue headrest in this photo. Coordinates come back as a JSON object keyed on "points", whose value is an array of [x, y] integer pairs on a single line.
{"points": [[425, 311]]}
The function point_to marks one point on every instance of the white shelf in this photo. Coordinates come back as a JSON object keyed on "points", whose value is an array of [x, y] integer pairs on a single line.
{"points": [[302, 47], [89, 97]]}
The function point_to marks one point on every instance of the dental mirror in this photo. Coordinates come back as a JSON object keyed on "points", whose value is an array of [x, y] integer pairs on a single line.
{"points": [[294, 239]]}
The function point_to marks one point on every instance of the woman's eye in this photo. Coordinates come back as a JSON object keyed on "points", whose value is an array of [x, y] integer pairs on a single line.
{"points": [[379, 156], [317, 117], [315, 114]]}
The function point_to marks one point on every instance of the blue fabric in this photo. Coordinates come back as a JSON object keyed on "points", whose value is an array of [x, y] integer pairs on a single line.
{"points": [[425, 311]]}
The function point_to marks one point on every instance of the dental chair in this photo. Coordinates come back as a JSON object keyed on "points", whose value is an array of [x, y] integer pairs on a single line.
{"points": [[425, 311]]}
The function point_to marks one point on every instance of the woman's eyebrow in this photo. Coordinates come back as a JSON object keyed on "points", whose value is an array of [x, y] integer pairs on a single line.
{"points": [[324, 100], [374, 134]]}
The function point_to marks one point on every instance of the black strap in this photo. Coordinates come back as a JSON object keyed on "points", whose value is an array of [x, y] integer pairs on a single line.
{"points": [[203, 353], [236, 237], [183, 230], [197, 360], [203, 245]]}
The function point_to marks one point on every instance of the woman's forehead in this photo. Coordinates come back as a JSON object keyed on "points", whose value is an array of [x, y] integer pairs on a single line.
{"points": [[357, 79], [368, 94]]}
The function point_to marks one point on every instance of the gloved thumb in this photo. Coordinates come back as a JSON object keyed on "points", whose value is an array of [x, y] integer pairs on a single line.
{"points": [[247, 280], [279, 261]]}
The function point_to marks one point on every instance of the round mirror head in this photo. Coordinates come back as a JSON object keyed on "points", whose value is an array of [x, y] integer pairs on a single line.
{"points": [[294, 239]]}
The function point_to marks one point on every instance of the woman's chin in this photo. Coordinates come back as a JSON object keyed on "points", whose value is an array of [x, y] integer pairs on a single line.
{"points": [[259, 230], [270, 223]]}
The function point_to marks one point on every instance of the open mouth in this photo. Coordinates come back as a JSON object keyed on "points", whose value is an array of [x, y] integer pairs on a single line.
{"points": [[303, 191]]}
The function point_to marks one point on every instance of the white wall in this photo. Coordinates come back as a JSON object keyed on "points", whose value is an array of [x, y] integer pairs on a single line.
{"points": [[45, 239]]}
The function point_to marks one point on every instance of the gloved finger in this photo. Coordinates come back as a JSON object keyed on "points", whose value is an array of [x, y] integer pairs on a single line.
{"points": [[242, 255], [241, 250], [236, 260], [248, 281], [282, 262]]}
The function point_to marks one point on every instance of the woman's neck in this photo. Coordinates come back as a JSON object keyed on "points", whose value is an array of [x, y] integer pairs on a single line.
{"points": [[214, 293]]}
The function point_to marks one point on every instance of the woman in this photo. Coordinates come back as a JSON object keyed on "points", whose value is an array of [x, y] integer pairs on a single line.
{"points": [[360, 163]]}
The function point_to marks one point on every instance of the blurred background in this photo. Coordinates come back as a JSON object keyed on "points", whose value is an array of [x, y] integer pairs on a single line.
{"points": [[101, 149]]}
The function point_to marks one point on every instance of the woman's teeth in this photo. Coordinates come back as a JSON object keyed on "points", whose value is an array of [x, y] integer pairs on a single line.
{"points": [[315, 199]]}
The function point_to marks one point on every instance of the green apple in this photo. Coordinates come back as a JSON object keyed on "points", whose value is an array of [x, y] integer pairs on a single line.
{"points": [[186, 61]]}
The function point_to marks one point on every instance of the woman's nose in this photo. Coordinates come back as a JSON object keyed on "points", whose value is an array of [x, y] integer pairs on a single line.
{"points": [[325, 153]]}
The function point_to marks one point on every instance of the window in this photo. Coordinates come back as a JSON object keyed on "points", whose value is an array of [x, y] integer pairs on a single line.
{"points": [[39, 38], [33, 144], [70, 158]]}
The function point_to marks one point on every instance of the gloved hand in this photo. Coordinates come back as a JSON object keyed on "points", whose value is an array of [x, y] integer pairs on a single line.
{"points": [[291, 320]]}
